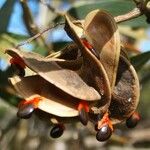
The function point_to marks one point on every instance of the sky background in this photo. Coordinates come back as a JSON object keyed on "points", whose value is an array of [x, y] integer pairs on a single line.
{"points": [[16, 24]]}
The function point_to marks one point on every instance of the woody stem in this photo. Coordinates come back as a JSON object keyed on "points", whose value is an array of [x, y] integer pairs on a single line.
{"points": [[128, 16], [136, 12]]}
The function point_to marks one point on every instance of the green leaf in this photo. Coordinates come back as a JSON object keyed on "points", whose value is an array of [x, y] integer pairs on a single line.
{"points": [[115, 7], [139, 60], [5, 14]]}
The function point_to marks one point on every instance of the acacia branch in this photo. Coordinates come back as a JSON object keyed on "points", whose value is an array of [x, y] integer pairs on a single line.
{"points": [[30, 24], [136, 12], [38, 35]]}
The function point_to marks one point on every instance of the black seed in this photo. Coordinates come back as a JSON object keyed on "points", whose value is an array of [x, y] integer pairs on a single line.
{"points": [[104, 133], [83, 116], [132, 121], [57, 131], [25, 111], [18, 70]]}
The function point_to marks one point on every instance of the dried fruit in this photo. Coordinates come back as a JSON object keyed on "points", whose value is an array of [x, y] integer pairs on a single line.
{"points": [[97, 78], [64, 79], [125, 96], [92, 71], [101, 31]]}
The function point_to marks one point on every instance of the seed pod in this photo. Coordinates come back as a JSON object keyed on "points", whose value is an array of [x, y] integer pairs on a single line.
{"points": [[57, 131], [126, 92], [64, 79], [53, 100], [95, 81], [92, 71], [104, 133], [101, 31]]}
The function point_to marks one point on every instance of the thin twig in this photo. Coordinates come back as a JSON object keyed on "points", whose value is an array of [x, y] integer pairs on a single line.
{"points": [[28, 18], [30, 24], [130, 15], [38, 35]]}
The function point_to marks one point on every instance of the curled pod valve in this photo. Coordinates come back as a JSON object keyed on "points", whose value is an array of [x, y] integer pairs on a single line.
{"points": [[18, 66]]}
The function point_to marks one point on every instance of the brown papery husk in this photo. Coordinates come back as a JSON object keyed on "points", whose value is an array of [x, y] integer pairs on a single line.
{"points": [[125, 97], [53, 100], [66, 80], [69, 52], [102, 33], [92, 71]]}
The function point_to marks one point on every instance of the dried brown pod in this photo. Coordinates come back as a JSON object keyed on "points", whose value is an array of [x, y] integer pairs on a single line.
{"points": [[101, 76], [65, 79], [53, 100], [125, 97], [92, 71], [102, 33]]}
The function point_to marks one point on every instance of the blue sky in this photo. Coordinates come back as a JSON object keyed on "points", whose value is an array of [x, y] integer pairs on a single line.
{"points": [[16, 24]]}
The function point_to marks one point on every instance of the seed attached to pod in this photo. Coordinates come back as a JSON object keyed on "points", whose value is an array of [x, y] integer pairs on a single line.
{"points": [[25, 111], [18, 70], [104, 133], [83, 116], [18, 66], [90, 47], [57, 131], [133, 120], [26, 107], [83, 109]]}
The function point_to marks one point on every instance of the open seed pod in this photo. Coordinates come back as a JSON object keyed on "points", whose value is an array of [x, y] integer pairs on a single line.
{"points": [[125, 97], [53, 100], [55, 106], [102, 34], [69, 57], [92, 71], [69, 52], [101, 31], [65, 79]]}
